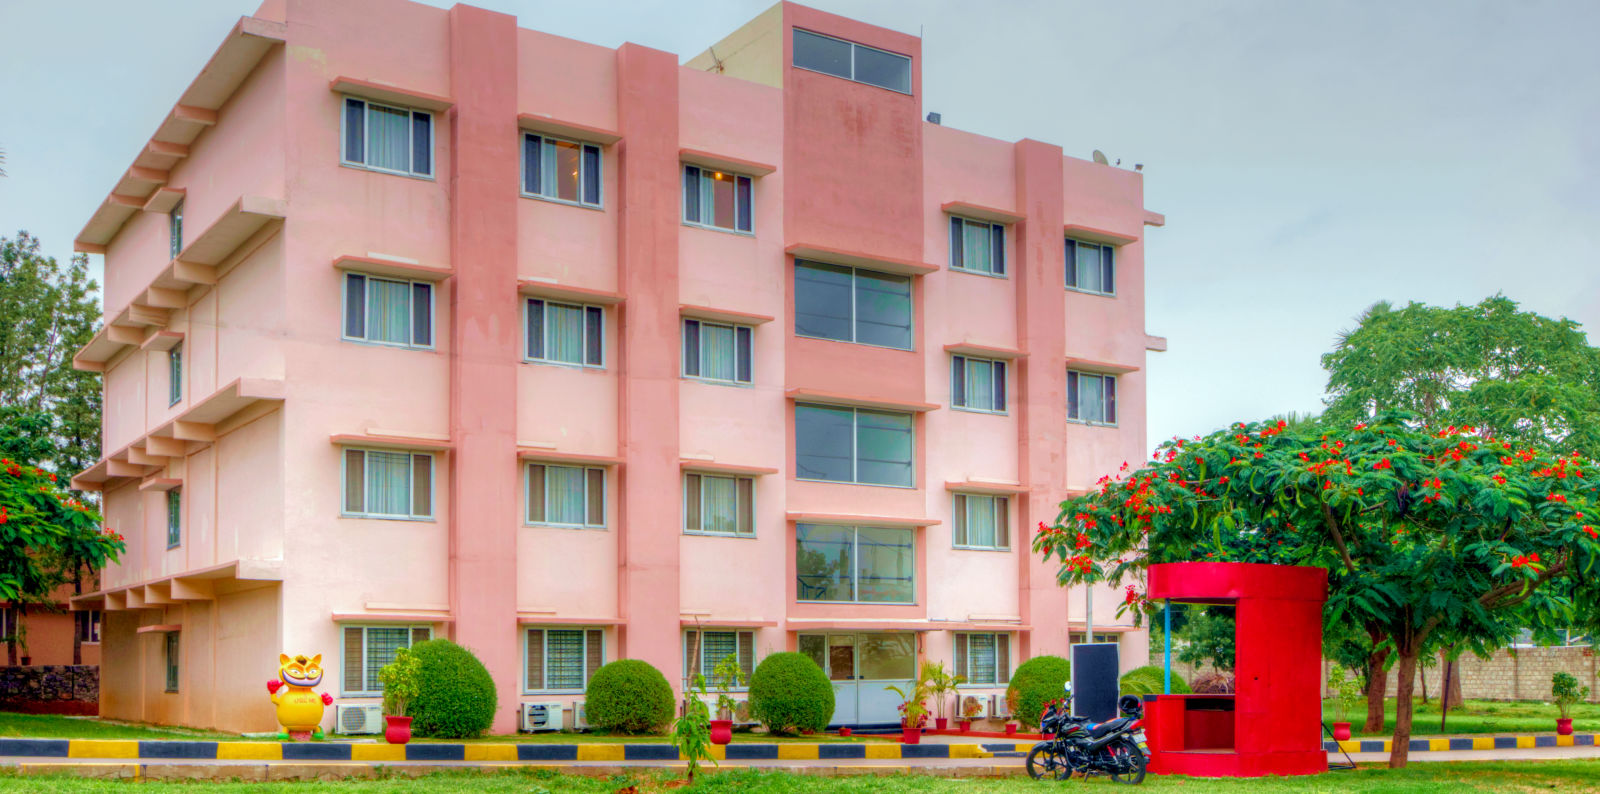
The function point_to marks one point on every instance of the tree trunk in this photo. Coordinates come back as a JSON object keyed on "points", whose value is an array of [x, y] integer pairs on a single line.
{"points": [[1405, 681], [1377, 689], [1450, 694], [1422, 672]]}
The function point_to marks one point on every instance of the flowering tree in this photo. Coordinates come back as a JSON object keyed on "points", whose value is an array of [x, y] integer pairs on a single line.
{"points": [[1425, 534], [46, 536]]}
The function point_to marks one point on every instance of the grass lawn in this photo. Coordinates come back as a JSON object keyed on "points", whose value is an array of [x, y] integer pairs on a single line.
{"points": [[1455, 778], [1475, 716]]}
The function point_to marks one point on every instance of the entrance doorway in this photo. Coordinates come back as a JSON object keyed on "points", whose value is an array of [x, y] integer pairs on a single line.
{"points": [[861, 665]]}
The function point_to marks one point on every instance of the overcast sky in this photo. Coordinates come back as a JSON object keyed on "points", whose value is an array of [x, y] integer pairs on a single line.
{"points": [[1311, 158]]}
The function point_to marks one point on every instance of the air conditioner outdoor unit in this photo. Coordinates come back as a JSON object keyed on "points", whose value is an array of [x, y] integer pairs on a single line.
{"points": [[358, 719], [580, 717], [998, 708], [741, 713], [541, 716]]}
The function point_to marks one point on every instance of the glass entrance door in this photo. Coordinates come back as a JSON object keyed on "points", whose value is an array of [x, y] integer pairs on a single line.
{"points": [[860, 667]]}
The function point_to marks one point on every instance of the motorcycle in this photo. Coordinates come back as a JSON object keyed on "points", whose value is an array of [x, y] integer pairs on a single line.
{"points": [[1079, 745]]}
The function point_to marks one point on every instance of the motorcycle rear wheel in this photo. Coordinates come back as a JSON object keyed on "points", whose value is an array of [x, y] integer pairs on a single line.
{"points": [[1126, 750], [1043, 761]]}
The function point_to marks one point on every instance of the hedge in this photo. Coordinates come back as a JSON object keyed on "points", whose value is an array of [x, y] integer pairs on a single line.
{"points": [[1149, 680], [456, 697], [629, 696], [789, 693], [1035, 683]]}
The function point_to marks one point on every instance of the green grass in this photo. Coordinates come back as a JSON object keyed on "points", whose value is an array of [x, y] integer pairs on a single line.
{"points": [[1419, 778], [1474, 717]]}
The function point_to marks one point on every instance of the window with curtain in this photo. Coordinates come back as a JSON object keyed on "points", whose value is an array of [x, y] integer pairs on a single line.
{"points": [[175, 374], [705, 649], [175, 229], [388, 484], [718, 200], [1091, 398], [385, 138], [983, 659], [565, 333], [366, 649], [174, 518], [172, 658], [981, 522], [1091, 267], [716, 352], [854, 564], [388, 311], [718, 505], [848, 304], [857, 62], [978, 384], [562, 659], [566, 496], [855, 445], [561, 170], [978, 246]]}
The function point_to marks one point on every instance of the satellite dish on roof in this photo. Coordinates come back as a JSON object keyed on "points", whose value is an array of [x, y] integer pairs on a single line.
{"points": [[1100, 157]]}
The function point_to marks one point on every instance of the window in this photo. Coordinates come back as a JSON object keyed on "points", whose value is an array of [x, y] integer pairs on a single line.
{"points": [[978, 246], [708, 648], [858, 62], [854, 564], [716, 352], [86, 624], [174, 375], [174, 518], [562, 660], [717, 200], [983, 659], [566, 496], [851, 305], [563, 333], [561, 170], [718, 505], [1091, 268], [388, 311], [853, 445], [368, 648], [978, 384], [172, 661], [980, 522], [385, 138], [1091, 398], [175, 229], [388, 484], [1076, 637]]}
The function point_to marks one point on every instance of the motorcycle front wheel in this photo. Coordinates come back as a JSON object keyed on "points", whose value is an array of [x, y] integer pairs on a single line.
{"points": [[1044, 762], [1129, 759]]}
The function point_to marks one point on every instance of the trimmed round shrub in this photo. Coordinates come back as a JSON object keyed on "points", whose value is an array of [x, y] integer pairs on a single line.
{"points": [[1149, 680], [790, 693], [455, 695], [629, 696], [1035, 683]]}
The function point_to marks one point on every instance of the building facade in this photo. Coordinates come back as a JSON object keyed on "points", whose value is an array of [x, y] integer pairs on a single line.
{"points": [[422, 324]]}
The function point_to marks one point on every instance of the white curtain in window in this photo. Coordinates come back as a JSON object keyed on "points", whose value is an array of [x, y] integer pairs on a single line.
{"points": [[389, 483], [980, 385], [388, 311], [980, 521], [565, 494], [388, 138], [1091, 398], [720, 509], [1089, 268], [716, 352], [975, 247], [564, 341]]}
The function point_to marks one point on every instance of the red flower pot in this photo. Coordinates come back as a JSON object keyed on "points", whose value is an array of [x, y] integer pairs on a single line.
{"points": [[1564, 726], [910, 736], [940, 723], [1341, 731], [1011, 729], [721, 731], [397, 730], [845, 732], [966, 725]]}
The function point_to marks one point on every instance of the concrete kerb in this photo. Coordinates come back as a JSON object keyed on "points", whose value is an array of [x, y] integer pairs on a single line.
{"points": [[289, 771], [1448, 743]]}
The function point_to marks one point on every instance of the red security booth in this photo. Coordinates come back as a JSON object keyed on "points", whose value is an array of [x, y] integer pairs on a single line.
{"points": [[1272, 723]]}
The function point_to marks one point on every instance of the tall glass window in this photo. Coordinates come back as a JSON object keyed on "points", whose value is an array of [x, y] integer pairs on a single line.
{"points": [[848, 304], [854, 564], [385, 138], [561, 170], [855, 445]]}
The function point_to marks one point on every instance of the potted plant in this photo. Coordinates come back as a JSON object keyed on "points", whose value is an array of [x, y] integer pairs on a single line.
{"points": [[1011, 727], [726, 677], [1347, 694], [1564, 690], [969, 712], [913, 711], [401, 684], [941, 684]]}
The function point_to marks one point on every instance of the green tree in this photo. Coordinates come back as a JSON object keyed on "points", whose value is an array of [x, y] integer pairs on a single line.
{"points": [[1427, 535], [1208, 638]]}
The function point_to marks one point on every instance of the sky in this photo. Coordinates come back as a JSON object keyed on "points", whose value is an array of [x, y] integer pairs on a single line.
{"points": [[1311, 158]]}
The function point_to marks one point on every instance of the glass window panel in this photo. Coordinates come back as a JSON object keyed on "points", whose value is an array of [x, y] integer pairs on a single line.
{"points": [[1072, 264], [593, 336], [981, 659], [175, 229], [1091, 398], [594, 655], [958, 381], [422, 485], [568, 164], [175, 375], [997, 249], [536, 488], [980, 521], [691, 348], [565, 495], [884, 69], [531, 181], [975, 246], [824, 562], [388, 483], [958, 516], [563, 333], [1111, 399], [957, 244], [691, 194], [388, 138], [547, 168], [821, 54], [388, 311], [355, 306], [745, 218], [355, 131], [824, 443], [716, 352], [747, 523], [1089, 268], [980, 385], [535, 329], [691, 502], [719, 498], [354, 642], [564, 654], [535, 659], [354, 480], [172, 661], [1108, 271], [745, 364], [884, 448], [597, 497], [422, 314], [888, 657], [717, 646], [883, 309], [816, 647], [999, 385], [1074, 408], [1002, 522], [382, 643], [174, 518], [722, 200], [822, 299], [591, 175], [885, 565], [421, 143]]}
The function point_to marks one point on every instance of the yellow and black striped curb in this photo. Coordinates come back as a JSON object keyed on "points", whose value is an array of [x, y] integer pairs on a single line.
{"points": [[251, 771], [1464, 743], [341, 751]]}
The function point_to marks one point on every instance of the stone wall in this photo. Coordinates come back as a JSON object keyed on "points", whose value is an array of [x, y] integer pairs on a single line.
{"points": [[50, 689]]}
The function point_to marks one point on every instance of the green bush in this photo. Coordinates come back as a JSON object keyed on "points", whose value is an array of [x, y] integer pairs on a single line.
{"points": [[455, 696], [1035, 683], [629, 696], [789, 693], [1149, 680]]}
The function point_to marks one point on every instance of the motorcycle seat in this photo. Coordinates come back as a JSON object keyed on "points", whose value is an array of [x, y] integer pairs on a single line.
{"points": [[1107, 727]]}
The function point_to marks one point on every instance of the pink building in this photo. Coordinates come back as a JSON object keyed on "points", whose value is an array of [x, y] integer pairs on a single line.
{"points": [[419, 323]]}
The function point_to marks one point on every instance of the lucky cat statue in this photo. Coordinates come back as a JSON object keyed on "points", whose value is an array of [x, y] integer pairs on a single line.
{"points": [[299, 708]]}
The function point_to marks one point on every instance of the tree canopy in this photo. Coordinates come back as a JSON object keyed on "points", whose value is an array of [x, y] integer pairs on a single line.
{"points": [[1426, 533], [45, 534]]}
